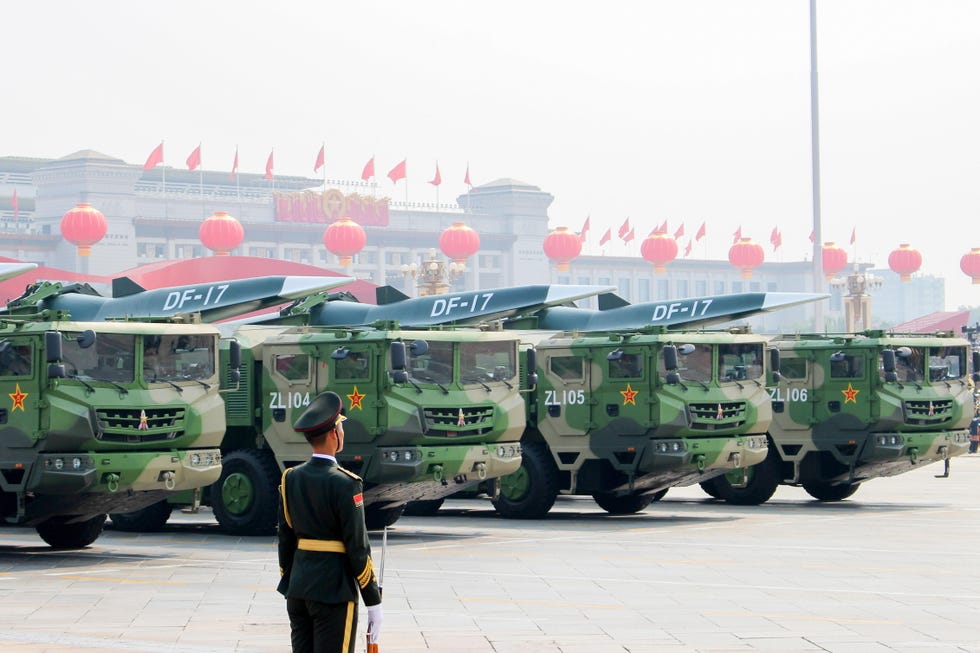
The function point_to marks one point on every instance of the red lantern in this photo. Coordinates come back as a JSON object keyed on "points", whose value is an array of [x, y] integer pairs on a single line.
{"points": [[459, 242], [746, 255], [905, 261], [834, 260], [660, 249], [561, 246], [970, 264], [221, 233], [344, 238], [83, 226]]}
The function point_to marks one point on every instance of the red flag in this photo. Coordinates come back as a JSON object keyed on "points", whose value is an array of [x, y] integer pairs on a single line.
{"points": [[701, 232], [398, 172], [679, 232], [624, 228], [319, 160], [13, 201], [438, 178], [234, 165], [194, 160], [811, 236], [368, 171], [585, 228], [662, 229], [606, 237], [687, 250], [738, 234], [268, 166], [775, 238], [155, 158], [853, 234], [466, 179], [630, 236]]}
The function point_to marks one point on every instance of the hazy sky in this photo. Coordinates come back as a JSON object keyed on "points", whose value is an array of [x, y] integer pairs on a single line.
{"points": [[688, 111]]}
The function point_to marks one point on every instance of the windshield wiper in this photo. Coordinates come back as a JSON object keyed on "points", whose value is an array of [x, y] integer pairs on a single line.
{"points": [[88, 389], [431, 379], [473, 379], [122, 389], [160, 379], [191, 378]]}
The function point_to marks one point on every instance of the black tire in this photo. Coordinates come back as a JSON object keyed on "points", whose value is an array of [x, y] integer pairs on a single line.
{"points": [[376, 519], [530, 492], [146, 520], [824, 491], [424, 508], [70, 536], [626, 504], [245, 498], [763, 479]]}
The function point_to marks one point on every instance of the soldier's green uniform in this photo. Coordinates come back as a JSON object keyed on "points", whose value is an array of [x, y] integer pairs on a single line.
{"points": [[324, 553]]}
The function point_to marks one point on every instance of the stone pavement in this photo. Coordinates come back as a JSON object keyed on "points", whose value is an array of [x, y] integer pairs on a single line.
{"points": [[889, 570]]}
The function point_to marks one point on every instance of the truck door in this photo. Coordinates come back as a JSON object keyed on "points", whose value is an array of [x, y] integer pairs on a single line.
{"points": [[846, 395], [622, 392], [564, 393], [288, 387], [793, 395], [20, 407], [350, 371]]}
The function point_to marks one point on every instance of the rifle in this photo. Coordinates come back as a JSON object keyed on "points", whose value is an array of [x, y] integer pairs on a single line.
{"points": [[373, 648]]}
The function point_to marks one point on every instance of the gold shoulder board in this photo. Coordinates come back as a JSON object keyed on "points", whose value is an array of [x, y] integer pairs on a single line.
{"points": [[349, 473]]}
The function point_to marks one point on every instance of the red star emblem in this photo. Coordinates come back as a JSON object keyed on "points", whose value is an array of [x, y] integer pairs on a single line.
{"points": [[143, 426], [18, 398], [851, 394], [355, 399], [629, 395]]}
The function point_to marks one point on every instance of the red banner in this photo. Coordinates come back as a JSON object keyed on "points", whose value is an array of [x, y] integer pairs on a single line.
{"points": [[310, 206]]}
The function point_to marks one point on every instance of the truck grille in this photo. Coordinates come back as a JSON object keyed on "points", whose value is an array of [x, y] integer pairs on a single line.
{"points": [[136, 425], [713, 416], [449, 421], [935, 411]]}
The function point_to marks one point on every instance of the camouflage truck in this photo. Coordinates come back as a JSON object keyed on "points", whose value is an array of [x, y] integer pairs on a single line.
{"points": [[625, 416], [93, 425], [429, 413], [849, 408]]}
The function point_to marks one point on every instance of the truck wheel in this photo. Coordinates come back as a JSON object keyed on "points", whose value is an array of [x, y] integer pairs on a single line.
{"points": [[70, 536], [763, 479], [424, 508], [375, 519], [529, 492], [245, 498], [824, 491], [145, 520], [626, 504]]}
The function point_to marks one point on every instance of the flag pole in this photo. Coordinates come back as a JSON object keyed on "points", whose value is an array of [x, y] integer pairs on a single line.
{"points": [[200, 167], [163, 168]]}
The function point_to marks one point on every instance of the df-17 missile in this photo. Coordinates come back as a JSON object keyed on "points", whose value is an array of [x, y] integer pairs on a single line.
{"points": [[460, 308], [615, 313], [213, 301]]}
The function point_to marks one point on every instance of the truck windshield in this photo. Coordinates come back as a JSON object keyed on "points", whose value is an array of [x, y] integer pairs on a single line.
{"points": [[740, 362], [910, 364], [435, 365], [695, 365], [184, 357], [483, 362], [947, 363], [110, 358]]}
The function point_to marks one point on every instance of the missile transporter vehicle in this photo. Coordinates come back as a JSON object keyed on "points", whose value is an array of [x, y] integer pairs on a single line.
{"points": [[849, 408], [429, 413], [101, 417], [625, 416]]}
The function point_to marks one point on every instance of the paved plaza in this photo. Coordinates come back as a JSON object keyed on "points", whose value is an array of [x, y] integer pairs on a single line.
{"points": [[896, 568]]}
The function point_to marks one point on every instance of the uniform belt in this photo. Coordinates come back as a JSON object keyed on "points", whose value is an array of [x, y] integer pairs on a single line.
{"points": [[328, 546]]}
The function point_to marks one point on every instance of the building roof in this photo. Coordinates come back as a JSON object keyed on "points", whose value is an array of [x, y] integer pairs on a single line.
{"points": [[938, 321]]}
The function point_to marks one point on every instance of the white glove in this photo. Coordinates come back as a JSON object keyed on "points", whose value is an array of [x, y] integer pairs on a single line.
{"points": [[375, 617]]}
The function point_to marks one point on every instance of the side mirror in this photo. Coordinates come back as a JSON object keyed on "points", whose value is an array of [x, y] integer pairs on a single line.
{"points": [[532, 369], [86, 338], [614, 355], [686, 349], [235, 360], [340, 353], [52, 346], [670, 359], [418, 347], [774, 361], [888, 361], [976, 367], [672, 378], [398, 362]]}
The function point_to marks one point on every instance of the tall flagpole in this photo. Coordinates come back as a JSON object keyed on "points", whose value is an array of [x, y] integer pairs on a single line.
{"points": [[818, 280]]}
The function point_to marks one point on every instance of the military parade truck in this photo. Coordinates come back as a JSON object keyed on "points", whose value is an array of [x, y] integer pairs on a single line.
{"points": [[849, 408], [623, 416], [429, 413], [102, 417]]}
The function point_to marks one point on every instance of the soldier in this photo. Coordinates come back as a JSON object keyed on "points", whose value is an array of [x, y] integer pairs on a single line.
{"points": [[324, 554]]}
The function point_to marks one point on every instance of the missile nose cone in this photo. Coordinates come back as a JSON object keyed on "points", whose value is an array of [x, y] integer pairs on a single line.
{"points": [[8, 270], [296, 287]]}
